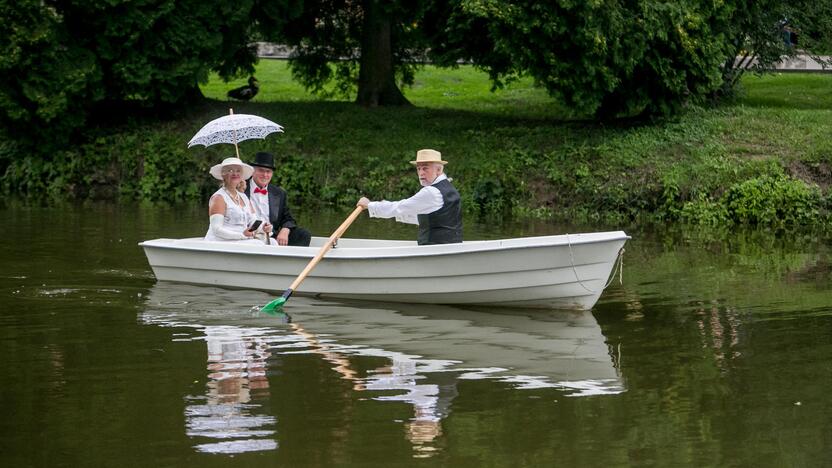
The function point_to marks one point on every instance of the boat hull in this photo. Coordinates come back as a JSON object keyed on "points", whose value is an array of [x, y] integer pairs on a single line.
{"points": [[565, 271]]}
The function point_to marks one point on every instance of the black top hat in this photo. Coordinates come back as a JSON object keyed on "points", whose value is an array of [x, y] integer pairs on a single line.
{"points": [[263, 159]]}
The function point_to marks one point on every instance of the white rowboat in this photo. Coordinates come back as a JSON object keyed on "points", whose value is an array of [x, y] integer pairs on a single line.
{"points": [[562, 271]]}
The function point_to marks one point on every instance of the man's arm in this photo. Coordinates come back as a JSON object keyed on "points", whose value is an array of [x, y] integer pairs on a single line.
{"points": [[425, 201]]}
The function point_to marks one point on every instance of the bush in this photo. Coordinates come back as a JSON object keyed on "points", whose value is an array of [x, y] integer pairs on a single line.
{"points": [[775, 201], [704, 211], [500, 184], [601, 58]]}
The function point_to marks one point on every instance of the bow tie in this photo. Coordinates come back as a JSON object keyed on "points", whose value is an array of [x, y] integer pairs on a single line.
{"points": [[261, 190]]}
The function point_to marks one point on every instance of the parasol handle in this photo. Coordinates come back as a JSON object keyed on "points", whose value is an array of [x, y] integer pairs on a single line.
{"points": [[234, 132]]}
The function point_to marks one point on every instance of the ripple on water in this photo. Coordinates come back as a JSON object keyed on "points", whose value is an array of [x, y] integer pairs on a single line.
{"points": [[224, 421], [139, 274], [88, 295]]}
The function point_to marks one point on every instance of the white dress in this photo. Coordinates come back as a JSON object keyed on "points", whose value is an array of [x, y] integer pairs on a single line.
{"points": [[236, 218]]}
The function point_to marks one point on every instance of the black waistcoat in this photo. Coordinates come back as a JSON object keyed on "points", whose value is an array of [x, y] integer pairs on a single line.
{"points": [[443, 226]]}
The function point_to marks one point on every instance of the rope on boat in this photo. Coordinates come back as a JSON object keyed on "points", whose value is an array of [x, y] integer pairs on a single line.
{"points": [[619, 268]]}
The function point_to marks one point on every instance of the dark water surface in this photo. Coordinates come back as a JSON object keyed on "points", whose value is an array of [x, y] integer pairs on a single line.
{"points": [[715, 351]]}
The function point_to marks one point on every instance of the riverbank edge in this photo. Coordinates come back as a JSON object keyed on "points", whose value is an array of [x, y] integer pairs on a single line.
{"points": [[727, 165]]}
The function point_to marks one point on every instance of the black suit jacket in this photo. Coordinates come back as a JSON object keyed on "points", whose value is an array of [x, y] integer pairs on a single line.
{"points": [[279, 214]]}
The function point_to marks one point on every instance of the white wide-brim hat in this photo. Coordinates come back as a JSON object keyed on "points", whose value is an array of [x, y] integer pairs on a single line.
{"points": [[216, 170], [428, 156]]}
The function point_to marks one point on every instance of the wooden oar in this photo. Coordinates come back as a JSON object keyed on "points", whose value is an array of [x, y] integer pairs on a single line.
{"points": [[273, 306]]}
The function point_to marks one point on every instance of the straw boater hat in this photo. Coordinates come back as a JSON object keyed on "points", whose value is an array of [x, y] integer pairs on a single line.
{"points": [[216, 170], [427, 156]]}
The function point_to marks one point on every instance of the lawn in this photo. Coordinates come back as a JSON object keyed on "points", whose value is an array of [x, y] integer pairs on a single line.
{"points": [[463, 88], [807, 91], [466, 88]]}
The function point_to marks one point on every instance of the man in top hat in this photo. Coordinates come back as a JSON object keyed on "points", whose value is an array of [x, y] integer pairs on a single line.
{"points": [[435, 208], [269, 201]]}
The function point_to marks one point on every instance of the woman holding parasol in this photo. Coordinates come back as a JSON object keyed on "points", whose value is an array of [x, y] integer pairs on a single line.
{"points": [[230, 211], [231, 214]]}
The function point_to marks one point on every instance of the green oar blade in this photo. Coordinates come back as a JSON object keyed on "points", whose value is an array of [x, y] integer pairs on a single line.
{"points": [[276, 306]]}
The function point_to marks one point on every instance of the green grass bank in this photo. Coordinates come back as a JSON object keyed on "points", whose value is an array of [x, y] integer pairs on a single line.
{"points": [[765, 159]]}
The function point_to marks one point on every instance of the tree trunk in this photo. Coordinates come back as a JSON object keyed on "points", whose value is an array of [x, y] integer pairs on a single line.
{"points": [[376, 78]]}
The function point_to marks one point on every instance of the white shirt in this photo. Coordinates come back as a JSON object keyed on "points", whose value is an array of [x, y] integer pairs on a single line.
{"points": [[426, 201], [260, 202]]}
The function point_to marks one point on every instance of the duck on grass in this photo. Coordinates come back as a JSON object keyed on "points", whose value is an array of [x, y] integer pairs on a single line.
{"points": [[245, 93]]}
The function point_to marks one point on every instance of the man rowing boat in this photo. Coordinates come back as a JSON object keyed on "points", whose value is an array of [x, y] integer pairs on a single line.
{"points": [[435, 208]]}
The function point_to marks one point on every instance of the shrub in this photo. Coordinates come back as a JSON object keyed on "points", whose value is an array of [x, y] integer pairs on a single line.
{"points": [[704, 211], [775, 201]]}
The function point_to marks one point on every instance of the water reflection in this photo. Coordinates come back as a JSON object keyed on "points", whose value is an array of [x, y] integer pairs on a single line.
{"points": [[426, 351], [529, 349], [719, 331], [237, 375], [431, 400], [228, 414]]}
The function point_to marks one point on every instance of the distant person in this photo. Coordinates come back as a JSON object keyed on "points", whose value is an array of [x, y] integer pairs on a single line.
{"points": [[435, 208], [230, 212], [270, 203], [789, 35]]}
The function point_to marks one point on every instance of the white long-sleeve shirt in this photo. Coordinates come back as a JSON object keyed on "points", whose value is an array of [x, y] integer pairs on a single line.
{"points": [[425, 201], [260, 202]]}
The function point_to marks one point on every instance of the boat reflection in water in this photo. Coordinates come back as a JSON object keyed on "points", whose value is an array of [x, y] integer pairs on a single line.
{"points": [[428, 349]]}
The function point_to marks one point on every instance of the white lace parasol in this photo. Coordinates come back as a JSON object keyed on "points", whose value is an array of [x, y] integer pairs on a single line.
{"points": [[234, 128]]}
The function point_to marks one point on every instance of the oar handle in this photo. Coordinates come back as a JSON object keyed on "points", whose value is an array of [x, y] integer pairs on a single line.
{"points": [[328, 245]]}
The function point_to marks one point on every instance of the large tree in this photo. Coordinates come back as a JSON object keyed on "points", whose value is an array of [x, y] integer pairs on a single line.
{"points": [[367, 48], [611, 58], [604, 57], [601, 57], [45, 75], [60, 60]]}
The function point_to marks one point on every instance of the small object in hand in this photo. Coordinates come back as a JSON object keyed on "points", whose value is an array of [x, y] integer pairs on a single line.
{"points": [[256, 224]]}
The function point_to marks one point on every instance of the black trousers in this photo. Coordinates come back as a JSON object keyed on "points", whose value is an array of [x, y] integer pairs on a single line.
{"points": [[299, 237]]}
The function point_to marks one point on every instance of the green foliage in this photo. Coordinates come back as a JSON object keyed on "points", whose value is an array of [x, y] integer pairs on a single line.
{"points": [[390, 178], [342, 48], [298, 176], [45, 76], [705, 211], [504, 159], [144, 164], [500, 184], [773, 201], [758, 35], [603, 58], [63, 62]]}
